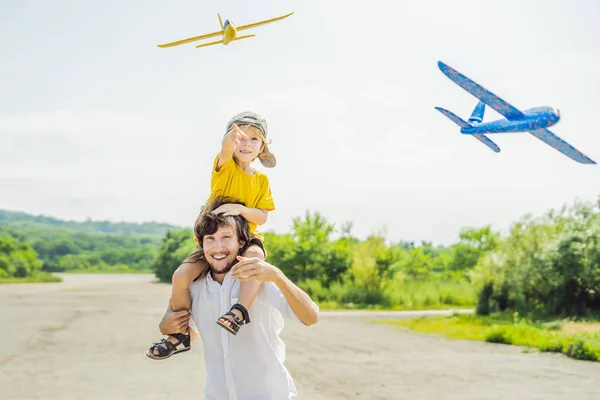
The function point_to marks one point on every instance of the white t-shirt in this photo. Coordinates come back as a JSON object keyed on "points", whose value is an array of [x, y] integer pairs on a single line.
{"points": [[249, 365]]}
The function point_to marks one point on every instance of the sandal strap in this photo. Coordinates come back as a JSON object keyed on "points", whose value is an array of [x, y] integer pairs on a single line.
{"points": [[182, 338], [163, 351], [244, 311], [231, 317]]}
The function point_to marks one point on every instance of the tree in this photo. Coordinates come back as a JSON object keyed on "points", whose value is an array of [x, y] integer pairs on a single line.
{"points": [[473, 244], [547, 266], [17, 258], [176, 246]]}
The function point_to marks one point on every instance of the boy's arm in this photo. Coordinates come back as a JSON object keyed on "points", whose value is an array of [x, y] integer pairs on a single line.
{"points": [[230, 142], [257, 216]]}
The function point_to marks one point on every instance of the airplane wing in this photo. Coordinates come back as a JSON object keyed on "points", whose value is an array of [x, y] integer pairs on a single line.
{"points": [[488, 142], [481, 93], [192, 39], [268, 21], [558, 144]]}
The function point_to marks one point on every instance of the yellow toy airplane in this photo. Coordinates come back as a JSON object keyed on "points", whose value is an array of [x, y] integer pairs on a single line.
{"points": [[228, 31]]}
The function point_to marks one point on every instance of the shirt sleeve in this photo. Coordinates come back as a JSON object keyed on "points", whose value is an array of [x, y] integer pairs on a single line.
{"points": [[275, 298], [193, 326], [265, 201], [224, 167], [192, 321]]}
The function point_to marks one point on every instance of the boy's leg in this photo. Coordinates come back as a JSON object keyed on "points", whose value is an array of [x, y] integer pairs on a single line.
{"points": [[248, 289], [182, 278], [180, 295]]}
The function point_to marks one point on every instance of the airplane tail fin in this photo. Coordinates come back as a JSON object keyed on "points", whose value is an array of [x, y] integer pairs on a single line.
{"points": [[454, 118], [244, 37], [209, 44], [221, 22], [477, 113]]}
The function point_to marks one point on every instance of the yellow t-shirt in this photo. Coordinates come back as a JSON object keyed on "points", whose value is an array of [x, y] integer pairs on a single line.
{"points": [[254, 190]]}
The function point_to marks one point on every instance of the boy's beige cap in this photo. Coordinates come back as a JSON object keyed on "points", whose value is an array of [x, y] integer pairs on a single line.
{"points": [[249, 118]]}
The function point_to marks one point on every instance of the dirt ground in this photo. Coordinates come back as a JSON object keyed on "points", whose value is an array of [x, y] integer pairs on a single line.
{"points": [[85, 338]]}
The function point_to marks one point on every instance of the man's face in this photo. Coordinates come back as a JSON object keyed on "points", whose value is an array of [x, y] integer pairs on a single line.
{"points": [[222, 248]]}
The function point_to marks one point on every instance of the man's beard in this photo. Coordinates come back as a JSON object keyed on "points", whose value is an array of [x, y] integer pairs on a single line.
{"points": [[224, 270]]}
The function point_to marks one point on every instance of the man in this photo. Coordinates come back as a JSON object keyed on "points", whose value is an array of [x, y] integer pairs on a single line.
{"points": [[248, 365]]}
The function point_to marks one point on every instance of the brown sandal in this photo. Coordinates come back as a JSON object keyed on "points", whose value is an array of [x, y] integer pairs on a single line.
{"points": [[181, 346], [230, 318]]}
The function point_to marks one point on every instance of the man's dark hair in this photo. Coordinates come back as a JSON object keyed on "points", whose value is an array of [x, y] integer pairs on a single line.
{"points": [[208, 223]]}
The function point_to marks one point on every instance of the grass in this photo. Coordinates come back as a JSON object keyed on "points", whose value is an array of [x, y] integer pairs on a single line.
{"points": [[579, 340], [399, 296], [36, 277], [333, 305], [432, 295]]}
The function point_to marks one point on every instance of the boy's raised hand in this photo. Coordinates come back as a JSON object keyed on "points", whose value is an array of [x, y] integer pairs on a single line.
{"points": [[233, 137]]}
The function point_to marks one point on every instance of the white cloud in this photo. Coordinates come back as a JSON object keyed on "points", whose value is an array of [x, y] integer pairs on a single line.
{"points": [[349, 102]]}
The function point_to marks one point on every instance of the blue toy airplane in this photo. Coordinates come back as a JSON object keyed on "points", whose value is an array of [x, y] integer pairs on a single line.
{"points": [[534, 120]]}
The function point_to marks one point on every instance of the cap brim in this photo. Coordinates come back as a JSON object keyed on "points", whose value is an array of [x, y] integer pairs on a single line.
{"points": [[267, 158]]}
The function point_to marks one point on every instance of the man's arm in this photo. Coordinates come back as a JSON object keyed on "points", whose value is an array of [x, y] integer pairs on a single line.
{"points": [[299, 301], [256, 269], [174, 321]]}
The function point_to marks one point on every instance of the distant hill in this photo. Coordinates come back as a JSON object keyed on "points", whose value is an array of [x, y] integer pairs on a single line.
{"points": [[20, 219]]}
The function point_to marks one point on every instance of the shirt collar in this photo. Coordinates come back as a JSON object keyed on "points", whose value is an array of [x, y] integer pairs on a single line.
{"points": [[216, 286]]}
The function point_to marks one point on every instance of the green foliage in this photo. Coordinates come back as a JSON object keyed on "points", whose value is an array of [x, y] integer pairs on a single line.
{"points": [[26, 220], [373, 265], [17, 258], [583, 349], [176, 246], [35, 277], [473, 244], [544, 266], [309, 252], [72, 250], [547, 266], [69, 251], [500, 328]]}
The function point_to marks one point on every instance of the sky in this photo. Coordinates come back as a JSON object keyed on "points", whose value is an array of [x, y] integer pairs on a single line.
{"points": [[98, 122]]}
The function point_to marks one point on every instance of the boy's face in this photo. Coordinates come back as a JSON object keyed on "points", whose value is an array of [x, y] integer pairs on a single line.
{"points": [[250, 148]]}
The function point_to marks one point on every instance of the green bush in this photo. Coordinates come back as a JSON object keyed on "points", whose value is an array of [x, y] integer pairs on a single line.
{"points": [[582, 349], [548, 266], [499, 334], [511, 329]]}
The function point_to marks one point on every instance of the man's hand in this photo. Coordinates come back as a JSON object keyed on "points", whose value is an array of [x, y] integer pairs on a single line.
{"points": [[229, 209], [255, 269], [174, 322]]}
